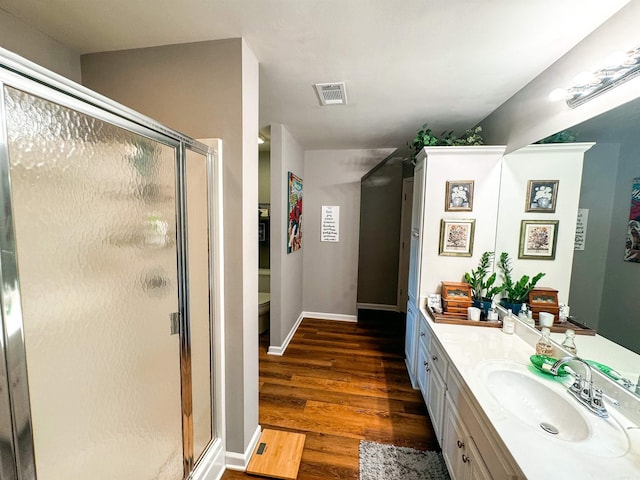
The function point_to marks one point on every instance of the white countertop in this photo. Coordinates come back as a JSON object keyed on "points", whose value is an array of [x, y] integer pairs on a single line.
{"points": [[538, 454]]}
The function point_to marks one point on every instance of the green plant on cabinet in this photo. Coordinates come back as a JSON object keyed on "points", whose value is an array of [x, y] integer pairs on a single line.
{"points": [[516, 292]]}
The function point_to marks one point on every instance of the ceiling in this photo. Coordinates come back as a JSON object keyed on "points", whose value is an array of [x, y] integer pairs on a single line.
{"points": [[405, 62]]}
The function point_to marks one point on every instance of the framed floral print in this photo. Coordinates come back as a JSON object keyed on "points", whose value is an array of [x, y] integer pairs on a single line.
{"points": [[459, 196], [538, 239], [541, 196], [456, 238]]}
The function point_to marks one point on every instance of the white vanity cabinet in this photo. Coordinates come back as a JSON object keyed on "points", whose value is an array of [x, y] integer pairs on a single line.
{"points": [[469, 448], [432, 371], [423, 369], [436, 390], [459, 450]]}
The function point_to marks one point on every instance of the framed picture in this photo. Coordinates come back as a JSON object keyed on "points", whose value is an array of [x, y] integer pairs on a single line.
{"points": [[541, 196], [538, 239], [456, 238], [294, 226], [459, 196], [632, 242]]}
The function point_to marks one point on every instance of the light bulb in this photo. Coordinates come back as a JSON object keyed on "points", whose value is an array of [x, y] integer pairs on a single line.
{"points": [[615, 59], [582, 79], [558, 94]]}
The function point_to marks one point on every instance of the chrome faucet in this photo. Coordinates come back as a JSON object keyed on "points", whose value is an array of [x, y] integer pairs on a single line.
{"points": [[582, 389]]}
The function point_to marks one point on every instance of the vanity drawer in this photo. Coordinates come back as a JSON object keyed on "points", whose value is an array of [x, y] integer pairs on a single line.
{"points": [[437, 358], [424, 333]]}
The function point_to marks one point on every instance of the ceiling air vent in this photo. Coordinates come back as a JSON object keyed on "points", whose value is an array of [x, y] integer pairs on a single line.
{"points": [[331, 93]]}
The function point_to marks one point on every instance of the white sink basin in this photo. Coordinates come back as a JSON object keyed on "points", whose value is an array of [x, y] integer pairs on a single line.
{"points": [[537, 405], [542, 405]]}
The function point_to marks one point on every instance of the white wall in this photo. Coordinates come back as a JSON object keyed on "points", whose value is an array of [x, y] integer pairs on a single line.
{"points": [[26, 41], [529, 116], [480, 164], [332, 177], [286, 269], [561, 162]]}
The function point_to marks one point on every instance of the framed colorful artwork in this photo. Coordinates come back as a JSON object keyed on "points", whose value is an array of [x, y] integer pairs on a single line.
{"points": [[459, 196], [538, 239], [294, 224], [632, 245], [541, 196], [456, 238]]}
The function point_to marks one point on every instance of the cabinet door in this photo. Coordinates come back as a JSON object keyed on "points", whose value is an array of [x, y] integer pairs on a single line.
{"points": [[422, 368], [476, 466], [435, 401], [415, 246], [453, 444], [410, 342], [418, 195], [413, 289]]}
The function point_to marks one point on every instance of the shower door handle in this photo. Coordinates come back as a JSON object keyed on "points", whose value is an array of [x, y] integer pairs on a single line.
{"points": [[175, 323]]}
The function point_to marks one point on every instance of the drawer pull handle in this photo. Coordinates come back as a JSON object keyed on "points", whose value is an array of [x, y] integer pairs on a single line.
{"points": [[434, 357], [426, 363], [460, 444], [465, 459], [422, 334]]}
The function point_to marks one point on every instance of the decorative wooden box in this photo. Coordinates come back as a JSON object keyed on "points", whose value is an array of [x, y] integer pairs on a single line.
{"points": [[544, 300], [456, 298]]}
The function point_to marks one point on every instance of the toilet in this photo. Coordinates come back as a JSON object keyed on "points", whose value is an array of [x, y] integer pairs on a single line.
{"points": [[264, 297]]}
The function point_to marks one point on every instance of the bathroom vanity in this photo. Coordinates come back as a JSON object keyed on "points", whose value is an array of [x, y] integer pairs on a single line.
{"points": [[487, 403]]}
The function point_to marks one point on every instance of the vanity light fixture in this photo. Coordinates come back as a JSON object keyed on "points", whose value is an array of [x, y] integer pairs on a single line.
{"points": [[617, 68]]}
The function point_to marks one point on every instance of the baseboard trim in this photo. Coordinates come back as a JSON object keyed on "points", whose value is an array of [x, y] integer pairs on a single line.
{"points": [[339, 317], [378, 306], [274, 350], [239, 461], [211, 467]]}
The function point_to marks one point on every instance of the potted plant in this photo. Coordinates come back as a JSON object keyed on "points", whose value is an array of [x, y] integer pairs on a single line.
{"points": [[516, 292], [483, 288], [426, 138]]}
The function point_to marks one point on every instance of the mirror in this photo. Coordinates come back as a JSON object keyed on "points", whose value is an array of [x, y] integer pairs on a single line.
{"points": [[603, 292]]}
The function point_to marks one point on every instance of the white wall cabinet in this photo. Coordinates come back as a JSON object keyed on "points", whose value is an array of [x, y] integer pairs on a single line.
{"points": [[415, 262]]}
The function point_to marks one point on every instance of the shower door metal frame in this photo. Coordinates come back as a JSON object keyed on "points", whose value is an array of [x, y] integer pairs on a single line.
{"points": [[21, 74]]}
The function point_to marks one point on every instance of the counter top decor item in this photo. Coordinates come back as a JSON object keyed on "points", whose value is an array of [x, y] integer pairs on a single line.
{"points": [[544, 364], [456, 298], [544, 300], [515, 292]]}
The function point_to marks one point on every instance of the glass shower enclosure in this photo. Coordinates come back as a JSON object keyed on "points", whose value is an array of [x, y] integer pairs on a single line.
{"points": [[105, 288]]}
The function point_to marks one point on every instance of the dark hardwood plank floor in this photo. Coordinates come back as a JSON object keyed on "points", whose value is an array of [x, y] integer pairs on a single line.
{"points": [[340, 383]]}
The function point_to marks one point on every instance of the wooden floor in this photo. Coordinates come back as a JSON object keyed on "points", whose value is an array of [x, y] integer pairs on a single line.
{"points": [[340, 383]]}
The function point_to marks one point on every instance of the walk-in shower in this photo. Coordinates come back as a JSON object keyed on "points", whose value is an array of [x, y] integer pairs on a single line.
{"points": [[106, 287]]}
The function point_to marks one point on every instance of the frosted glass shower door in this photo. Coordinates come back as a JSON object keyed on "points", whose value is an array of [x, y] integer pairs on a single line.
{"points": [[200, 301], [95, 223]]}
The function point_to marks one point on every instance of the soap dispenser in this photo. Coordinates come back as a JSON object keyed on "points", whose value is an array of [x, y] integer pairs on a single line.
{"points": [[508, 323], [569, 343], [492, 314], [544, 345]]}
